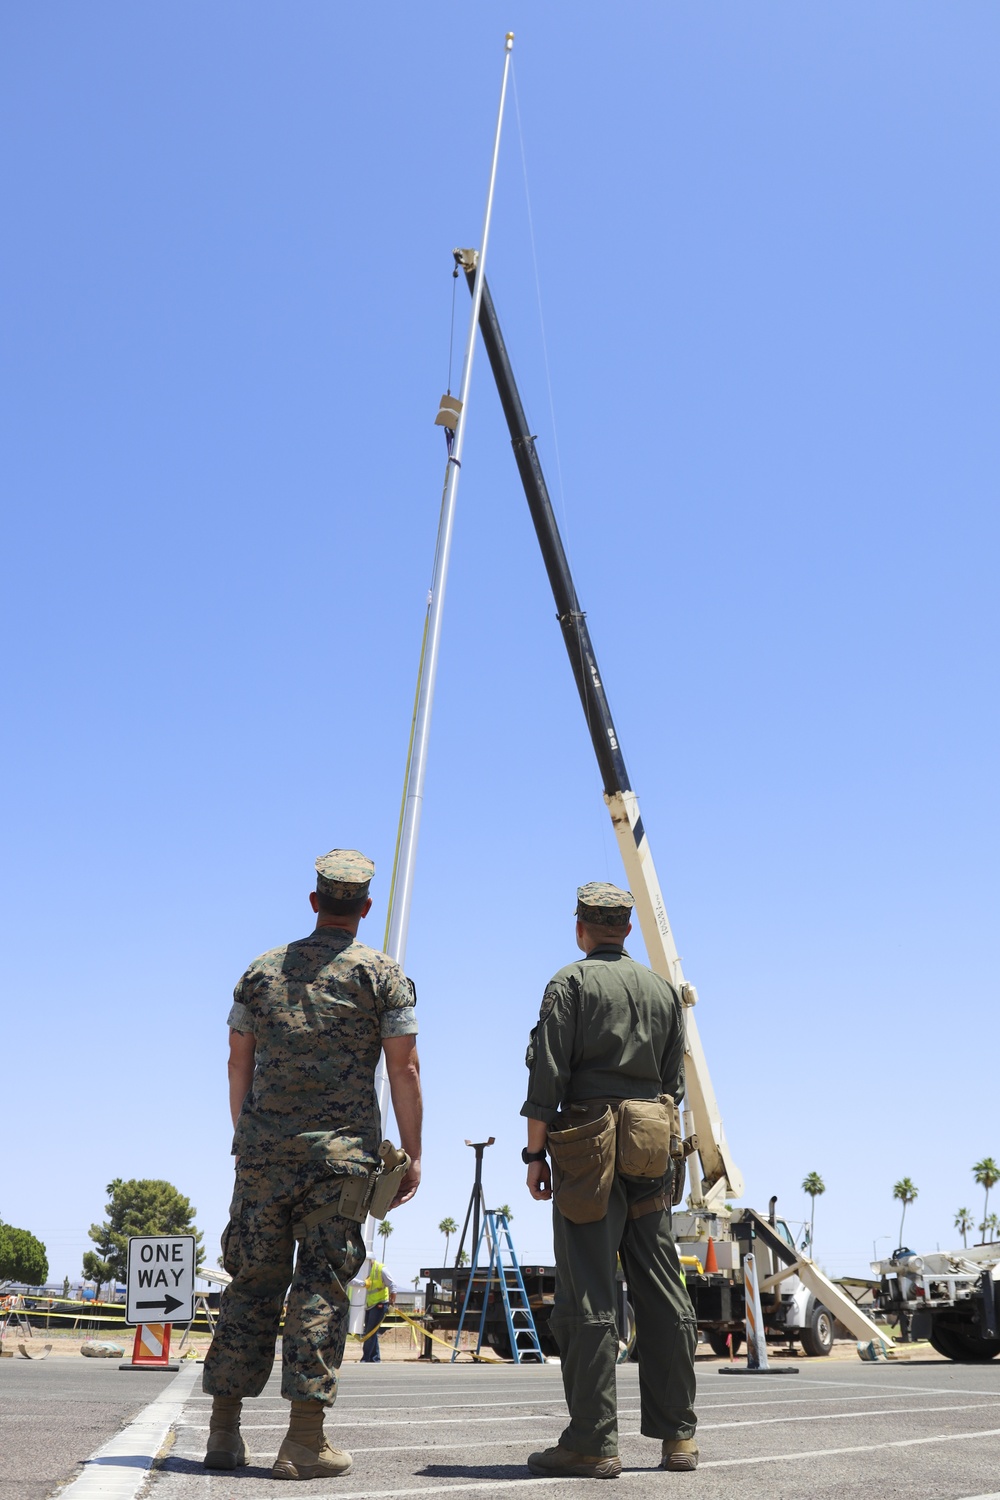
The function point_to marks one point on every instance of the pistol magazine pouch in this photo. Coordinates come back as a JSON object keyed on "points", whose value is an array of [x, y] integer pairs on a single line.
{"points": [[645, 1135], [583, 1168], [395, 1165]]}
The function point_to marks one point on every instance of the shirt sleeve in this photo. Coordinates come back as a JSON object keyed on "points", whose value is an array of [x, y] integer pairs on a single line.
{"points": [[397, 999], [550, 1052], [240, 1017], [390, 1284], [672, 1066]]}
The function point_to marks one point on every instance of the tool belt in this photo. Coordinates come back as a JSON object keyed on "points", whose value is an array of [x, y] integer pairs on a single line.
{"points": [[360, 1196], [638, 1138]]}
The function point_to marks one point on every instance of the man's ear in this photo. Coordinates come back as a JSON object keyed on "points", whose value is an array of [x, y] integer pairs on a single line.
{"points": [[367, 907], [628, 929], [314, 901]]}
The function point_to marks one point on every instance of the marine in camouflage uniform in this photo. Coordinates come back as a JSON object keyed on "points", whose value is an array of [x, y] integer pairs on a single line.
{"points": [[610, 1029], [308, 1025]]}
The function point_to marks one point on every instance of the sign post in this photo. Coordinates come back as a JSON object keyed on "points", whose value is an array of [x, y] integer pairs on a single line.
{"points": [[159, 1292]]}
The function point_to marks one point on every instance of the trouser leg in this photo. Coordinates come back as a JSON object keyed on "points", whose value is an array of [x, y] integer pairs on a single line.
{"points": [[257, 1252], [370, 1354], [317, 1317], [585, 1324], [665, 1326]]}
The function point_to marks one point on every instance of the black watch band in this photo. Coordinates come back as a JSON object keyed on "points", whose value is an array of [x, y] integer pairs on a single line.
{"points": [[529, 1156]]}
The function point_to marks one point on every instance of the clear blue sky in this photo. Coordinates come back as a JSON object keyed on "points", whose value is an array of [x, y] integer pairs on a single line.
{"points": [[767, 241]]}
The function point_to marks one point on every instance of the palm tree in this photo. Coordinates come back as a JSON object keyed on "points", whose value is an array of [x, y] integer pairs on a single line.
{"points": [[814, 1185], [462, 1258], [447, 1227], [905, 1192], [384, 1229], [963, 1223], [992, 1224], [987, 1174], [505, 1210]]}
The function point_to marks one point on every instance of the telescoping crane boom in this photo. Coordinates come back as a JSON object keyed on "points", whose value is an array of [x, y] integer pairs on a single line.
{"points": [[720, 1176]]}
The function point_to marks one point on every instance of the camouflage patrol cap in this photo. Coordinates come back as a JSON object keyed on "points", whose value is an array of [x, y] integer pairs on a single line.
{"points": [[602, 905], [344, 874]]}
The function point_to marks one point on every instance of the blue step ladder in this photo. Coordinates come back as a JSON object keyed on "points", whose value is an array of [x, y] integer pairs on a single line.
{"points": [[521, 1330]]}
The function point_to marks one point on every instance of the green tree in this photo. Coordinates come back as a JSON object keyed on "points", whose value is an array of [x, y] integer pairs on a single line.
{"points": [[505, 1210], [814, 1185], [141, 1206], [991, 1223], [384, 1229], [462, 1258], [905, 1192], [65, 1286], [963, 1223], [987, 1174], [98, 1271], [22, 1257], [447, 1227]]}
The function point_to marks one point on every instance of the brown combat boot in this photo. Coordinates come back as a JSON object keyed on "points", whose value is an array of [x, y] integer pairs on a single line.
{"points": [[564, 1462], [680, 1455], [225, 1448], [305, 1452]]}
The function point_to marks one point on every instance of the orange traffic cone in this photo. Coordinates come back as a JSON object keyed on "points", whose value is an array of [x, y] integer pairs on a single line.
{"points": [[711, 1261]]}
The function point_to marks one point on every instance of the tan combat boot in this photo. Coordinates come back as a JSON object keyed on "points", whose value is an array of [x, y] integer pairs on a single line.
{"points": [[225, 1449], [305, 1452], [680, 1455], [564, 1462]]}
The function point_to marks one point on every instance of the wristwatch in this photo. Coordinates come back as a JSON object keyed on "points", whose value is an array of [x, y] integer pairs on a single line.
{"points": [[529, 1156]]}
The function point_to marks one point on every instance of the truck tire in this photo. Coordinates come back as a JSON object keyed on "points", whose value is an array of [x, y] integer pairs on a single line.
{"points": [[817, 1338], [718, 1345], [965, 1348]]}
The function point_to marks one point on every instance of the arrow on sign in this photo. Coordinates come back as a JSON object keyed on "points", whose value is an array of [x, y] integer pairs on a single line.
{"points": [[166, 1306]]}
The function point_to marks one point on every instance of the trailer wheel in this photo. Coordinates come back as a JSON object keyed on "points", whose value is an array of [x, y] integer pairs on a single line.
{"points": [[817, 1338], [718, 1343], [965, 1348]]}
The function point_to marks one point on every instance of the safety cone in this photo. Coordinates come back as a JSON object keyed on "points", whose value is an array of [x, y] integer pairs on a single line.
{"points": [[711, 1259]]}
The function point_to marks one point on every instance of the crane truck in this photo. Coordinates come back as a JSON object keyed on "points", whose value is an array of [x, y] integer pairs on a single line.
{"points": [[799, 1302]]}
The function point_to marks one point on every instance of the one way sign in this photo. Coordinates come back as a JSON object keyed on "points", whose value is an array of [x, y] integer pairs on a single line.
{"points": [[160, 1279]]}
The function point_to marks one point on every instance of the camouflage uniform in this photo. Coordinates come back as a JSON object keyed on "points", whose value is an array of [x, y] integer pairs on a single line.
{"points": [[318, 1009], [609, 1029]]}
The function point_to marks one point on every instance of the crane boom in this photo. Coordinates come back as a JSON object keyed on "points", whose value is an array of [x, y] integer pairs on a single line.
{"points": [[720, 1177]]}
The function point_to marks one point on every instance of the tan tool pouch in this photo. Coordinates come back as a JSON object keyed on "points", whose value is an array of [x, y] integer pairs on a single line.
{"points": [[583, 1168], [645, 1128]]}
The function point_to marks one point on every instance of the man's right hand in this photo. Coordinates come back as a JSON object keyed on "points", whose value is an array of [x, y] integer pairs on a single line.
{"points": [[539, 1180], [408, 1186]]}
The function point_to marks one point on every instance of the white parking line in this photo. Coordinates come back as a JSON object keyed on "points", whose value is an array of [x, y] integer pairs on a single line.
{"points": [[643, 1474], [119, 1469]]}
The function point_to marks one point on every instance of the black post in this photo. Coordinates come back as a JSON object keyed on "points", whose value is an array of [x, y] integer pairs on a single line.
{"points": [[571, 618]]}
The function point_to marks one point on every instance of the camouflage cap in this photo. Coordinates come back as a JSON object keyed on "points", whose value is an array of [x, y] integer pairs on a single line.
{"points": [[344, 874], [602, 905]]}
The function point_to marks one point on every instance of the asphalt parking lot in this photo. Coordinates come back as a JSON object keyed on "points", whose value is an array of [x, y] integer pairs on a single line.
{"points": [[923, 1431], [914, 1430]]}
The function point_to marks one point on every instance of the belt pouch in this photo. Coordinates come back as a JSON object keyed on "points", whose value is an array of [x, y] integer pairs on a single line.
{"points": [[583, 1168], [644, 1128]]}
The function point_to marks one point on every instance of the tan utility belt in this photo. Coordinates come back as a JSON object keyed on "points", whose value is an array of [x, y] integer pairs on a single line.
{"points": [[597, 1138], [360, 1196]]}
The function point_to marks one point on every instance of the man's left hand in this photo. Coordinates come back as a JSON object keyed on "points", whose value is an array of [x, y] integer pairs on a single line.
{"points": [[408, 1186]]}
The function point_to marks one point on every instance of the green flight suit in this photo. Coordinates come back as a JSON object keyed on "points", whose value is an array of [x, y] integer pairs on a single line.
{"points": [[609, 1028]]}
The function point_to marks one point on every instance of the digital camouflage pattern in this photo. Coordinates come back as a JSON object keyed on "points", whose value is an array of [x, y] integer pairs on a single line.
{"points": [[257, 1252], [608, 1028], [318, 1009], [601, 904], [344, 874]]}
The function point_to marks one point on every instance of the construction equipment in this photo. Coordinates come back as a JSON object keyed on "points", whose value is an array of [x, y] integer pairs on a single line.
{"points": [[714, 1175], [951, 1298]]}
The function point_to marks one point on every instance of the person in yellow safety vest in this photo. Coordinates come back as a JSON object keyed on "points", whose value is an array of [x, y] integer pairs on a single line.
{"points": [[380, 1294]]}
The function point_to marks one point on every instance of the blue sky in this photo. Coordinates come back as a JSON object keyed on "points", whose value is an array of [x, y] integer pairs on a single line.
{"points": [[766, 241]]}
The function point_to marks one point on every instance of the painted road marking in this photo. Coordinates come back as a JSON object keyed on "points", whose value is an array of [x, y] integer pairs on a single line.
{"points": [[120, 1469]]}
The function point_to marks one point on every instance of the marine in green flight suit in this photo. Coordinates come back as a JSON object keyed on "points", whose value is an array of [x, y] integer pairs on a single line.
{"points": [[309, 1023], [610, 1029]]}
